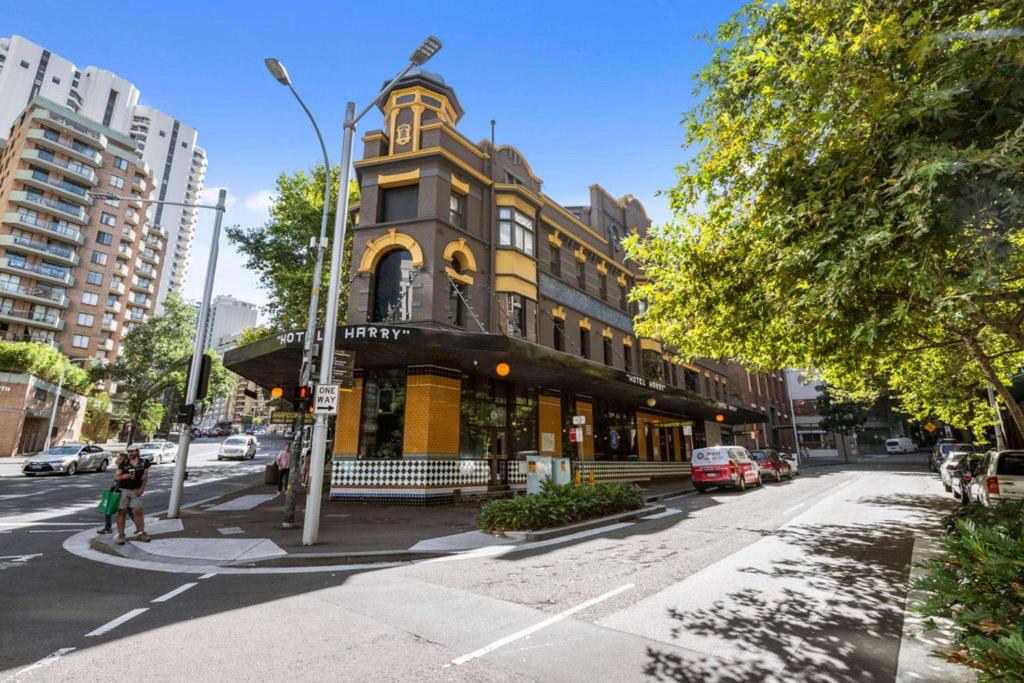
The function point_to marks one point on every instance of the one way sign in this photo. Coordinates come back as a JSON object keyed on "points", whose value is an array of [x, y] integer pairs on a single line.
{"points": [[326, 400]]}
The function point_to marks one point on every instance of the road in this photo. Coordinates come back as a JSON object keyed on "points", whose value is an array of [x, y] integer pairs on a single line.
{"points": [[803, 580]]}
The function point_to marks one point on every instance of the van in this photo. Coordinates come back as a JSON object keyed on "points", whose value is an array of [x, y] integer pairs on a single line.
{"points": [[723, 466], [900, 444]]}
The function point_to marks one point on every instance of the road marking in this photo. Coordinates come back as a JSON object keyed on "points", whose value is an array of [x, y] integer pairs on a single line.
{"points": [[9, 496], [111, 625], [42, 663], [795, 507], [538, 626], [22, 524], [177, 591], [208, 576], [51, 531], [20, 558]]}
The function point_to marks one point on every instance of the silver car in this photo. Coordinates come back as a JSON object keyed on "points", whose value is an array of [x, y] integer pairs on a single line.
{"points": [[69, 458], [156, 452], [237, 447]]}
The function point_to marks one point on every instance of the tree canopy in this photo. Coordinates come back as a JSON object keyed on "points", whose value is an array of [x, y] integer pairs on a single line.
{"points": [[279, 250], [854, 200], [45, 362]]}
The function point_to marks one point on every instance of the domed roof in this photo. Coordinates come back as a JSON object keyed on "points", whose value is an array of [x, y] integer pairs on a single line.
{"points": [[430, 81]]}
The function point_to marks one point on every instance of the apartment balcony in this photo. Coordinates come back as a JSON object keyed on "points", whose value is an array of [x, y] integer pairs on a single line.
{"points": [[43, 181], [57, 276], [109, 325], [47, 228], [124, 251], [54, 252], [144, 302], [129, 234], [48, 321], [60, 209], [117, 287], [150, 256], [131, 217], [38, 294], [143, 287], [156, 230], [121, 269], [72, 148], [46, 159], [113, 306], [106, 344], [144, 269], [86, 134]]}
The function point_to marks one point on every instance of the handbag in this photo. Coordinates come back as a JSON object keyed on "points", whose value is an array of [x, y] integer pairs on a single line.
{"points": [[109, 501]]}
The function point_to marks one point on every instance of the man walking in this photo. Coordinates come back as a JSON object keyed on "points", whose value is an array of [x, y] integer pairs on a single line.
{"points": [[132, 476]]}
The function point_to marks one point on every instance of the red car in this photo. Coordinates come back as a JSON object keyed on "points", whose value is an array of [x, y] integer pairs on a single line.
{"points": [[729, 466], [771, 465]]}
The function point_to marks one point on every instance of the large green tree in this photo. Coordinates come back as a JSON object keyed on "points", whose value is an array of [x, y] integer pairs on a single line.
{"points": [[854, 198], [279, 251], [155, 362]]}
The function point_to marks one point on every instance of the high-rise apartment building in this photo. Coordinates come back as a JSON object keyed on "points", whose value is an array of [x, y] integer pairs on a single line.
{"points": [[228, 318], [75, 271], [166, 144]]}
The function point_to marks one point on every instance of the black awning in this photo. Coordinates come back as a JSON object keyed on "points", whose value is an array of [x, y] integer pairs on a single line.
{"points": [[275, 362]]}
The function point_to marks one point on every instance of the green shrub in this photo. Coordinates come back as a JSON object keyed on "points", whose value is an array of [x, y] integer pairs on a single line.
{"points": [[559, 505], [45, 362], [978, 583]]}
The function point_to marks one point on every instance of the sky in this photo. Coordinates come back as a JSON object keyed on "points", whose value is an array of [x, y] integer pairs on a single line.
{"points": [[589, 92]]}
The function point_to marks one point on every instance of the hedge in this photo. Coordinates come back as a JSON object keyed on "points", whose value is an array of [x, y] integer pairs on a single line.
{"points": [[559, 505], [45, 362]]}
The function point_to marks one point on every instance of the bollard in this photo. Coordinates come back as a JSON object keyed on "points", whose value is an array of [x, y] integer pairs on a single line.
{"points": [[578, 479], [591, 479]]}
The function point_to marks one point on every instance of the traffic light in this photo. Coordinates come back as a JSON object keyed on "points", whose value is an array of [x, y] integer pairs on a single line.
{"points": [[205, 364], [304, 393]]}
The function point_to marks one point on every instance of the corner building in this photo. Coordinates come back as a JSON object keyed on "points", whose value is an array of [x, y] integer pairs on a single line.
{"points": [[488, 322]]}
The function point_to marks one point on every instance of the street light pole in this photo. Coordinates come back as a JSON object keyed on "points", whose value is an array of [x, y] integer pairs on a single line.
{"points": [[311, 525], [56, 400], [278, 71]]}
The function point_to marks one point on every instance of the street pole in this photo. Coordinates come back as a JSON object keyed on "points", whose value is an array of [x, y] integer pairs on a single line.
{"points": [[53, 411], [792, 419], [999, 427], [181, 462], [306, 370], [311, 525]]}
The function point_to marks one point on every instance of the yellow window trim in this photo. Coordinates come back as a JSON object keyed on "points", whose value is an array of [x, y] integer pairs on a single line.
{"points": [[647, 344], [580, 254], [554, 239], [511, 283], [621, 279], [460, 186], [398, 179], [460, 247], [607, 333], [458, 277], [628, 341], [514, 201], [558, 313], [585, 323], [602, 268], [377, 248], [426, 152]]}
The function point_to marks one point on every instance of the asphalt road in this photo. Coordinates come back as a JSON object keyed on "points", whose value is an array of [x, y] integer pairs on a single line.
{"points": [[803, 580]]}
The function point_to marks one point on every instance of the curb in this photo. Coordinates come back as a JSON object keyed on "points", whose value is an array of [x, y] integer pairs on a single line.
{"points": [[670, 494], [545, 534], [367, 557]]}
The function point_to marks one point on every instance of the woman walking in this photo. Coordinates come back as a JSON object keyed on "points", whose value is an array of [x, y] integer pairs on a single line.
{"points": [[284, 460]]}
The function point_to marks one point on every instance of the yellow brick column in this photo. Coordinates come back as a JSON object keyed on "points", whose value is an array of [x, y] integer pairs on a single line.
{"points": [[549, 421], [586, 409], [432, 406], [346, 427]]}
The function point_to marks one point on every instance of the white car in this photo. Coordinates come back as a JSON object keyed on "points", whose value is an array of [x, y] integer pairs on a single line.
{"points": [[1000, 478], [951, 463], [156, 452], [793, 460], [241, 447]]}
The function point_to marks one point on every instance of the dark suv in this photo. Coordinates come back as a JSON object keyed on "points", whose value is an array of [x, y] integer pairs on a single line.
{"points": [[771, 464]]}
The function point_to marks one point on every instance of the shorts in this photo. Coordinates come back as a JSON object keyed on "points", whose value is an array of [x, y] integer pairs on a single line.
{"points": [[130, 498]]}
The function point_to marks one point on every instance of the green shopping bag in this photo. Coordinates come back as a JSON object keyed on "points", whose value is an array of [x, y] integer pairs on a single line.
{"points": [[109, 501]]}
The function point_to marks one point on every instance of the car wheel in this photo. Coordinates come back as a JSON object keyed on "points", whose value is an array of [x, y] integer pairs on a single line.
{"points": [[947, 487], [964, 498], [741, 484], [29, 474], [700, 489], [103, 466], [219, 458], [72, 469]]}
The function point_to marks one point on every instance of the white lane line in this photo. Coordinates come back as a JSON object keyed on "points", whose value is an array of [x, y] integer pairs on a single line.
{"points": [[208, 576], [177, 591], [52, 531], [23, 524], [41, 664], [111, 625], [795, 507], [538, 626]]}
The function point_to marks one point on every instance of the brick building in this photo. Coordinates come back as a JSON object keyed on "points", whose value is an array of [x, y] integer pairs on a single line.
{"points": [[487, 321], [26, 404]]}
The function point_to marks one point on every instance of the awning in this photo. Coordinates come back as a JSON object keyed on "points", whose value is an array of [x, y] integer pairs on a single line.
{"points": [[275, 362]]}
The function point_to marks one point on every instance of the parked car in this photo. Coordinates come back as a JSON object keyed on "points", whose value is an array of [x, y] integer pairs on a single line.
{"points": [[900, 444], [999, 477], [237, 447], [793, 460], [729, 466], [771, 465], [950, 465], [963, 474], [69, 458], [156, 452], [942, 449]]}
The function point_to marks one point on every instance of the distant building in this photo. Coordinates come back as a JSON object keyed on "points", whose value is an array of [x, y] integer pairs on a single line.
{"points": [[227, 319]]}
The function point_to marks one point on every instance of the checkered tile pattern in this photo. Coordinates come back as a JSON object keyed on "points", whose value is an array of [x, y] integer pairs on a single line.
{"points": [[410, 473], [624, 471]]}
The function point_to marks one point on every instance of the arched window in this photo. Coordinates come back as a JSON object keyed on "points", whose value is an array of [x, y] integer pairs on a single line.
{"points": [[457, 293], [392, 300]]}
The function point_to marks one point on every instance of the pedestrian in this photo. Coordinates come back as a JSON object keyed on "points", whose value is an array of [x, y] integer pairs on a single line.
{"points": [[108, 520], [284, 459], [132, 477]]}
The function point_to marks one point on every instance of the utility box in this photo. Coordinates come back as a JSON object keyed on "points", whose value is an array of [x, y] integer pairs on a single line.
{"points": [[538, 470], [561, 471]]}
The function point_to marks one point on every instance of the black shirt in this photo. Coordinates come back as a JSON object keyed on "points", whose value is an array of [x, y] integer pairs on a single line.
{"points": [[137, 471]]}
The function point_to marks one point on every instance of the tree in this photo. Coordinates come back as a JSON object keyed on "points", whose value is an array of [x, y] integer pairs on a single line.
{"points": [[841, 414], [853, 203], [156, 358], [279, 251], [254, 334], [96, 426], [46, 363]]}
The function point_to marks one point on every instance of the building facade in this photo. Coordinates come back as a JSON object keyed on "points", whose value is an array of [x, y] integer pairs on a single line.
{"points": [[166, 144], [227, 319], [75, 271], [26, 406], [488, 322]]}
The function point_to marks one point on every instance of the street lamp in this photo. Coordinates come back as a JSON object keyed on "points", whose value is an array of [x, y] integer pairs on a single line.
{"points": [[277, 70], [181, 462], [311, 526], [56, 400]]}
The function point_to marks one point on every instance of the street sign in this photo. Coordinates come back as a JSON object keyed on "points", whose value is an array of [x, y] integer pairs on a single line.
{"points": [[288, 417], [325, 401], [576, 435], [343, 368], [579, 419], [929, 427]]}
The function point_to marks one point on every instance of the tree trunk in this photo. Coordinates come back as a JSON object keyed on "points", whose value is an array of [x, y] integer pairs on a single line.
{"points": [[996, 382]]}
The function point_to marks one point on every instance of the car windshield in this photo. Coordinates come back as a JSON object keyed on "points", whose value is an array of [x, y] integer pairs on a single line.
{"points": [[235, 441], [759, 455], [963, 447], [64, 450], [947, 448], [151, 446], [1011, 464], [710, 456]]}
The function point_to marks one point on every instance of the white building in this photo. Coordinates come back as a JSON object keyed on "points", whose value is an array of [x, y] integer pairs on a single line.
{"points": [[227, 319], [166, 144]]}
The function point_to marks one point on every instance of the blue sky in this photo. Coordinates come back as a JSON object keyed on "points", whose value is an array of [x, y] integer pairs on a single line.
{"points": [[588, 91]]}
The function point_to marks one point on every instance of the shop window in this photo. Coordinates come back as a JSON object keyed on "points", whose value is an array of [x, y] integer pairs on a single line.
{"points": [[627, 355], [556, 261], [392, 300], [691, 380], [484, 418], [652, 366], [456, 211], [607, 344], [516, 311], [559, 335], [383, 414], [614, 432], [584, 342], [400, 203]]}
